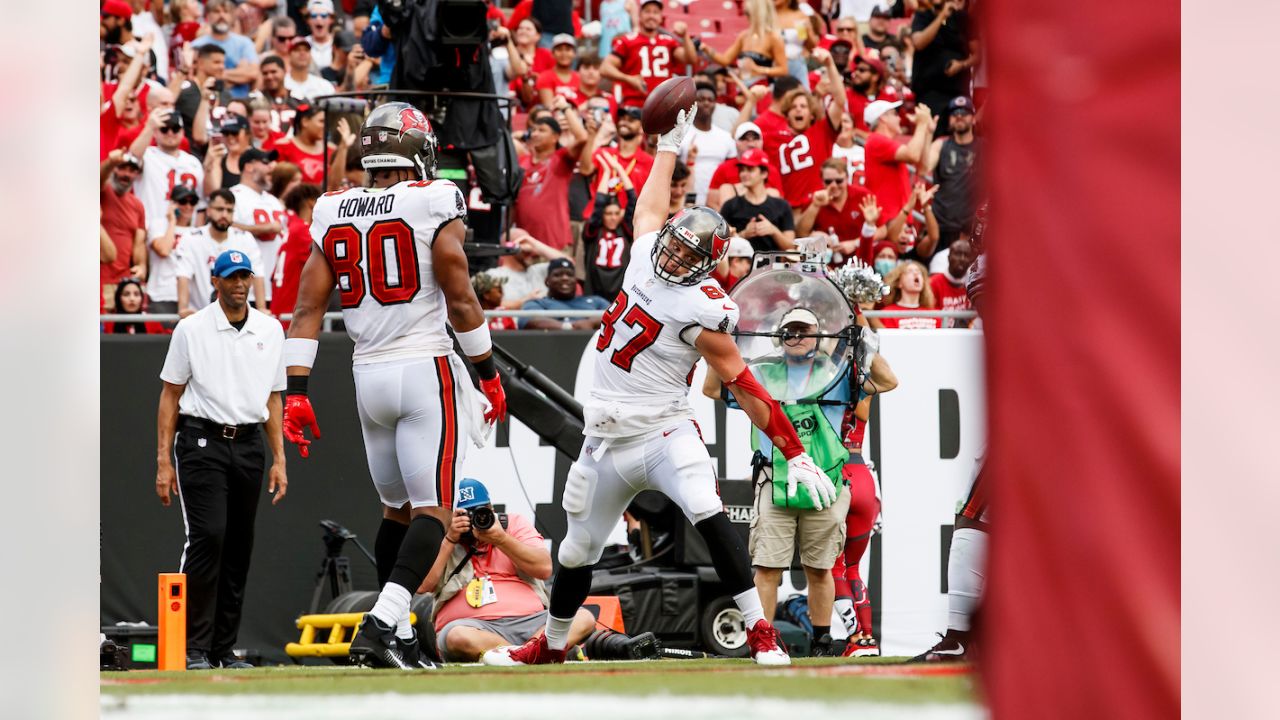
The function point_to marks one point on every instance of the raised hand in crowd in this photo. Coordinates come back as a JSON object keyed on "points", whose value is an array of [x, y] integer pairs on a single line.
{"points": [[869, 208]]}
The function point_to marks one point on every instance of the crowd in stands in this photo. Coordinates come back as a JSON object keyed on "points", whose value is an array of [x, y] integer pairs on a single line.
{"points": [[853, 120]]}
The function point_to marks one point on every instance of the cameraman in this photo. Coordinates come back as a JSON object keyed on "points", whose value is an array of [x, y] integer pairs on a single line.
{"points": [[488, 581]]}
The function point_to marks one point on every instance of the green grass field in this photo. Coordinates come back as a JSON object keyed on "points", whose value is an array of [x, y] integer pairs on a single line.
{"points": [[881, 680]]}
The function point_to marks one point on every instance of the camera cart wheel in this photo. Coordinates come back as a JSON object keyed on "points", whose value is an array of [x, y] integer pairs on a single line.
{"points": [[723, 628]]}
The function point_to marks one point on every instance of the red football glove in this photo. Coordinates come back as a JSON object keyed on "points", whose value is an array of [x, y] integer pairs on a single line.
{"points": [[492, 389], [298, 415]]}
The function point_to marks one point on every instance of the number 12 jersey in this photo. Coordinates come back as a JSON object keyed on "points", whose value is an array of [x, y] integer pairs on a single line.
{"points": [[378, 242]]}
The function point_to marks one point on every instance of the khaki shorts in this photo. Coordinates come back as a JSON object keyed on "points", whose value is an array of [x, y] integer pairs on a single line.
{"points": [[777, 531]]}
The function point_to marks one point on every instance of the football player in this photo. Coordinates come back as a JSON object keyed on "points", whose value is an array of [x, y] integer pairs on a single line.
{"points": [[966, 563], [640, 432], [394, 251]]}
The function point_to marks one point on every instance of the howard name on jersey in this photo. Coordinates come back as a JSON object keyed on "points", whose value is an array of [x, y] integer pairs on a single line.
{"points": [[378, 242], [646, 352]]}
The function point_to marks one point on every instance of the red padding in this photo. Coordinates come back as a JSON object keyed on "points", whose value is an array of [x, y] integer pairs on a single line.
{"points": [[779, 428]]}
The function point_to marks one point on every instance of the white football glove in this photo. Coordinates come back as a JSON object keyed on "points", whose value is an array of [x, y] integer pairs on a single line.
{"points": [[801, 470], [670, 141]]}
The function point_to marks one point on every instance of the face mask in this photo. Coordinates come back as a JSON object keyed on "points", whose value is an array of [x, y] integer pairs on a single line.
{"points": [[884, 266]]}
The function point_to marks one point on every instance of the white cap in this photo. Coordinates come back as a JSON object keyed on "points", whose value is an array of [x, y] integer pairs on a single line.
{"points": [[320, 6], [740, 247], [872, 112], [745, 128], [798, 315]]}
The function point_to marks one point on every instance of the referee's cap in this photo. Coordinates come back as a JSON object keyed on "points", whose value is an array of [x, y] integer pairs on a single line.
{"points": [[230, 262]]}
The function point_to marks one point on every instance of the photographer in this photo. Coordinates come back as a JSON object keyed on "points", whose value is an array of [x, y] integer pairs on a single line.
{"points": [[488, 580]]}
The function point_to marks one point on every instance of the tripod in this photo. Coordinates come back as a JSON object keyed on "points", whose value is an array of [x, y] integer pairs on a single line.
{"points": [[335, 567]]}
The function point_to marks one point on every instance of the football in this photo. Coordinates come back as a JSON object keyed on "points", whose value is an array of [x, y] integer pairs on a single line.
{"points": [[665, 102]]}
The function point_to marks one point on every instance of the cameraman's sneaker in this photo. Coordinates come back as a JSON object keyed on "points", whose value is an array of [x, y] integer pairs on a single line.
{"points": [[534, 652], [766, 645], [953, 647], [865, 646], [375, 645], [411, 651]]}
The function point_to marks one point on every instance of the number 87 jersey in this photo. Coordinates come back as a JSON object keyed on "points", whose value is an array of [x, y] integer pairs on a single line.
{"points": [[645, 350], [378, 243]]}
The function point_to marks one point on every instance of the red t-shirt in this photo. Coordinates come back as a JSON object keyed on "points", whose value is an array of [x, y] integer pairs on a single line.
{"points": [[502, 323], [775, 131], [949, 296], [886, 177], [909, 323], [311, 164], [549, 80], [637, 166], [799, 161], [543, 60], [542, 207], [122, 216], [727, 173], [653, 58], [126, 138], [846, 222], [857, 103], [292, 255], [109, 125]]}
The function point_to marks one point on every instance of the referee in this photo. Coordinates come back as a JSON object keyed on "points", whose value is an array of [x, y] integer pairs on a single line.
{"points": [[222, 380]]}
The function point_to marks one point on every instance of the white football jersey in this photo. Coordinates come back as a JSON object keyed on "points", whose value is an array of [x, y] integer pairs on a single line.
{"points": [[378, 242], [195, 254], [162, 272], [161, 172], [260, 208], [645, 347]]}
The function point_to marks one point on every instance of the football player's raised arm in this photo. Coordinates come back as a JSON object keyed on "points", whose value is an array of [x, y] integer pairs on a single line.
{"points": [[655, 196], [765, 413], [449, 263]]}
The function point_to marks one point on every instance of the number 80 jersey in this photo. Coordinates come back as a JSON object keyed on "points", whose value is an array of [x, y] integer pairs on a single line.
{"points": [[378, 243], [645, 347]]}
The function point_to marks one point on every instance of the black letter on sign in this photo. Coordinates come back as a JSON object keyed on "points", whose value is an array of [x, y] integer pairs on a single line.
{"points": [[948, 424]]}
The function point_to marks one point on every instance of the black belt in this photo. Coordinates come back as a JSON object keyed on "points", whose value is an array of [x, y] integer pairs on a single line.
{"points": [[226, 432]]}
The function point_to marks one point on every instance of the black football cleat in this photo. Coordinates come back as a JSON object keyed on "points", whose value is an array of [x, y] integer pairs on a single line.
{"points": [[953, 647], [375, 645], [411, 651]]}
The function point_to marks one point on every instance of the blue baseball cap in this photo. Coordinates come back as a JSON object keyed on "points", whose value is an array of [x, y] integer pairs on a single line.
{"points": [[230, 262], [471, 493], [960, 104]]}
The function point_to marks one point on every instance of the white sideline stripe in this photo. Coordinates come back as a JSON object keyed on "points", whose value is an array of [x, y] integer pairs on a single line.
{"points": [[514, 705]]}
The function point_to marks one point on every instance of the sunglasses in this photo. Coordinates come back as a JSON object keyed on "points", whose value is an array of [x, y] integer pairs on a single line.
{"points": [[832, 181], [318, 16], [285, 38], [187, 201], [170, 129], [845, 30]]}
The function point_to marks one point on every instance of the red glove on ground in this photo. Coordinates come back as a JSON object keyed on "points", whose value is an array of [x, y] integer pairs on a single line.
{"points": [[492, 389], [298, 415]]}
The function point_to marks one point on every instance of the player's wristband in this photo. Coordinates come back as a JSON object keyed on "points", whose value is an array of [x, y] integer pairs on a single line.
{"points": [[476, 341], [868, 230], [296, 384], [487, 369], [300, 352], [779, 428]]}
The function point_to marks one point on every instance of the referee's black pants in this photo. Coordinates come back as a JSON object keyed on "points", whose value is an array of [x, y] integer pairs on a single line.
{"points": [[219, 482]]}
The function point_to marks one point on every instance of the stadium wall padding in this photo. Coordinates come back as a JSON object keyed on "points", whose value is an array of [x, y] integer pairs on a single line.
{"points": [[932, 430]]}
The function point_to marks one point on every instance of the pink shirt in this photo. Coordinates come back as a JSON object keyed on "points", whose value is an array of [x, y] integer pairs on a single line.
{"points": [[515, 597]]}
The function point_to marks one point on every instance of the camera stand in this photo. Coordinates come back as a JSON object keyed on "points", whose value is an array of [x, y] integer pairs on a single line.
{"points": [[335, 567]]}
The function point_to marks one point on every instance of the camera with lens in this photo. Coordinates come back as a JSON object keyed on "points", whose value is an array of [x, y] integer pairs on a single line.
{"points": [[482, 518]]}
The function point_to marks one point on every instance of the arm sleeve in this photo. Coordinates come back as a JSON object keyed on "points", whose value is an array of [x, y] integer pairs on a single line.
{"points": [[177, 363]]}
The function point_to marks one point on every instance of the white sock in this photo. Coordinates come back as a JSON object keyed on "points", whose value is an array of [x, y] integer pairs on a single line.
{"points": [[748, 601], [558, 632], [844, 608], [393, 605], [404, 630], [966, 567]]}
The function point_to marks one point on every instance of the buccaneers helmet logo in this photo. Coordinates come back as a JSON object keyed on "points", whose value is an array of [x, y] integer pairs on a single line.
{"points": [[412, 119]]}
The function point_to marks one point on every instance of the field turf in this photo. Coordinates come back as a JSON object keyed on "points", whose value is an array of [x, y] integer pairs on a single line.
{"points": [[878, 680]]}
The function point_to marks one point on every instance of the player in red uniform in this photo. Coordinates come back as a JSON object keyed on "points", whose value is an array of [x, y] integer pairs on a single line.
{"points": [[800, 158], [642, 59]]}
